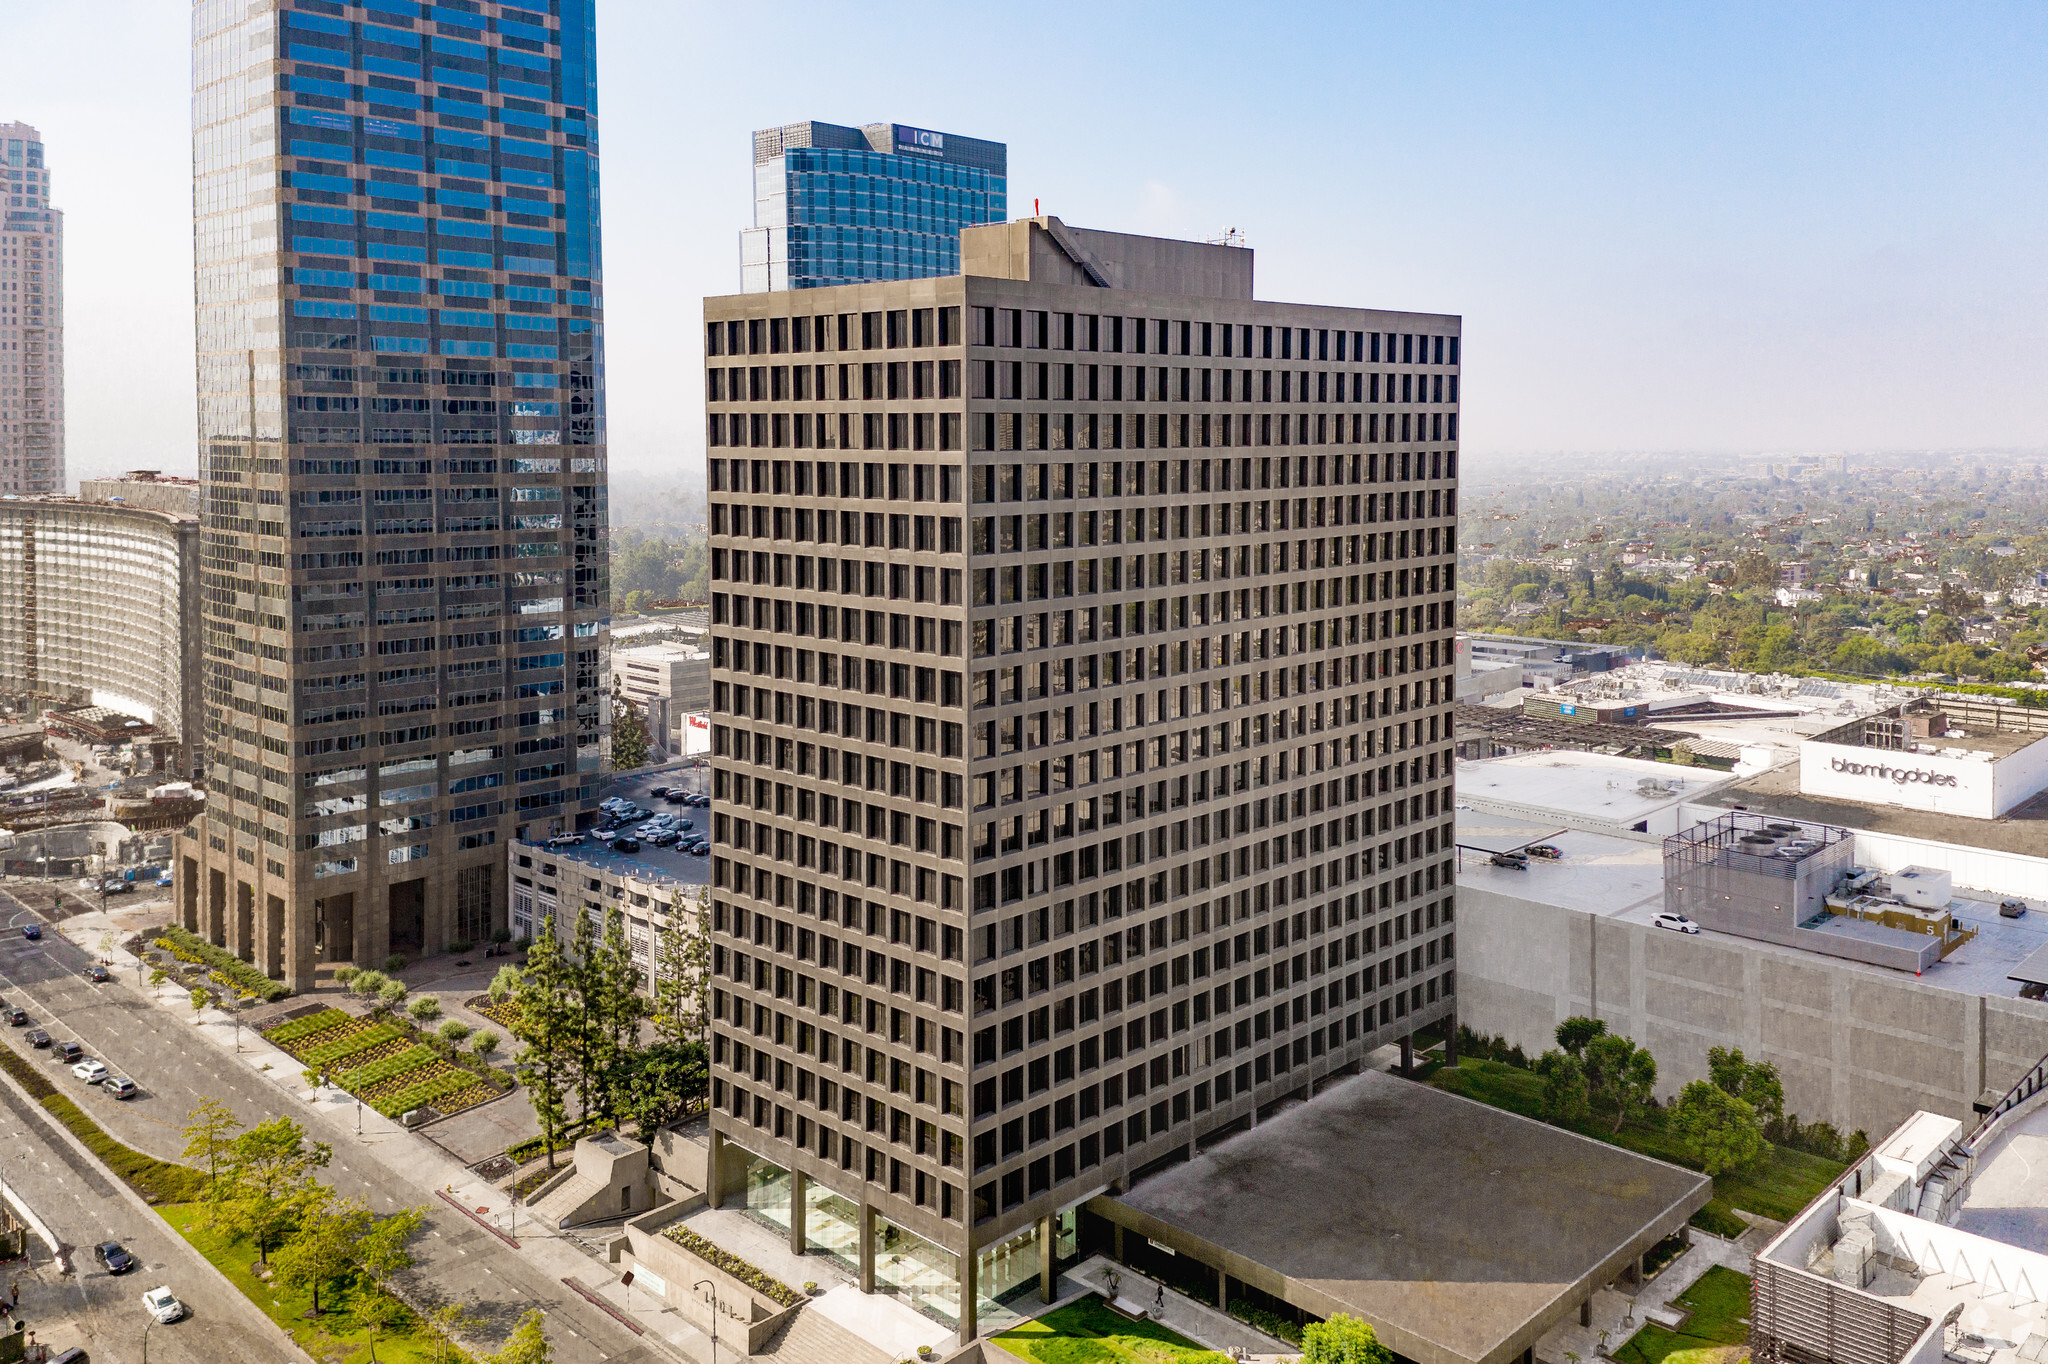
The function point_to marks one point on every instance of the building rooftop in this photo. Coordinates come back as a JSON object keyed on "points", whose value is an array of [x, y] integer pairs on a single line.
{"points": [[1461, 1232], [1593, 791], [1598, 873], [2022, 829]]}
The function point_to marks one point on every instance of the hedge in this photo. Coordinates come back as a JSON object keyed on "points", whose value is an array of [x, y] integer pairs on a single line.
{"points": [[158, 1181], [362, 1077], [305, 1027], [719, 1258], [342, 1048], [191, 947]]}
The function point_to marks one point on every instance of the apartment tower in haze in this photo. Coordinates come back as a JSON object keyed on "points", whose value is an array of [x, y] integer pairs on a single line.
{"points": [[31, 318], [836, 205], [1081, 702], [402, 451]]}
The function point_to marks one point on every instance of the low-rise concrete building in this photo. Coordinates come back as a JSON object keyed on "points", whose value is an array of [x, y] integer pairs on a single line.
{"points": [[589, 878], [669, 683]]}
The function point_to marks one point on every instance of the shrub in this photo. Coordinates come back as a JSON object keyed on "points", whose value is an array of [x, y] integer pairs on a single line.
{"points": [[720, 1258], [501, 935], [190, 947], [394, 963], [368, 983], [362, 1077], [392, 994], [460, 946], [425, 1009], [454, 1029], [301, 1028], [344, 974], [486, 1042], [344, 1047], [504, 983]]}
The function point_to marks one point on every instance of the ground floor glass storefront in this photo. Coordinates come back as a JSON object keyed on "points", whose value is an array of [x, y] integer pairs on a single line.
{"points": [[768, 1193], [832, 1227]]}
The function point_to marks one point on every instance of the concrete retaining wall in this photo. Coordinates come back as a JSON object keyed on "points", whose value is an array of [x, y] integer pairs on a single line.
{"points": [[1856, 1047]]}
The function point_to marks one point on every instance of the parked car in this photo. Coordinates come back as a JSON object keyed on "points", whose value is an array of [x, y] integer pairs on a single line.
{"points": [[120, 1086], [97, 974], [36, 1037], [17, 1017], [91, 1071], [626, 845], [33, 932], [658, 791], [114, 885], [164, 880], [1677, 923], [2012, 909], [565, 841], [69, 1051], [163, 1305], [1514, 860], [1549, 850], [114, 1256], [677, 798]]}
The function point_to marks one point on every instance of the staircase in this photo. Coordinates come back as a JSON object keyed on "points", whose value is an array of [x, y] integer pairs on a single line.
{"points": [[809, 1337]]}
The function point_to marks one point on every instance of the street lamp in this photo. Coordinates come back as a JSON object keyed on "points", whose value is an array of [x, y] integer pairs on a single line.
{"points": [[703, 1284]]}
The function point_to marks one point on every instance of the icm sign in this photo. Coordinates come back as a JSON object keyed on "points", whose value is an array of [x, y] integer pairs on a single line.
{"points": [[1898, 776], [921, 140]]}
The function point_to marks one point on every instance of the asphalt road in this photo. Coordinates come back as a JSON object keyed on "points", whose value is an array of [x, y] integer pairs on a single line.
{"points": [[175, 1068], [82, 1205]]}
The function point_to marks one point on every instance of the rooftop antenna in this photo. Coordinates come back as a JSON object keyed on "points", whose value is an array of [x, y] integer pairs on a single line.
{"points": [[1231, 237]]}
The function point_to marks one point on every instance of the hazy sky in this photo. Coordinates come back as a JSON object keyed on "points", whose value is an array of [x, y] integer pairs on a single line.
{"points": [[1705, 227]]}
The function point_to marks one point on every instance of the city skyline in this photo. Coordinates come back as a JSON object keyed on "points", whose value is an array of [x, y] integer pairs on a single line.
{"points": [[1690, 206]]}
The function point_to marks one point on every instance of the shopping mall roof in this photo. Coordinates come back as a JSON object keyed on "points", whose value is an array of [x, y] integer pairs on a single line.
{"points": [[1460, 1232]]}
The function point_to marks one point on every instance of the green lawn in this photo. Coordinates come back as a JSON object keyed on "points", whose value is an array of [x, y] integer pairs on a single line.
{"points": [[1087, 1332], [1716, 1333], [1787, 1182], [330, 1337]]}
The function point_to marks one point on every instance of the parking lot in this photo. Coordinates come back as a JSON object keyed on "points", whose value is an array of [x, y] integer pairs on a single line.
{"points": [[669, 863]]}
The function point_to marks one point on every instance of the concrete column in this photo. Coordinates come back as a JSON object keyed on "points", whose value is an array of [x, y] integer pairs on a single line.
{"points": [[1586, 1312], [867, 1249], [1117, 1244], [1407, 1055], [1223, 1290], [1451, 1037], [273, 937], [714, 1153], [1048, 1272], [799, 1184], [970, 1316]]}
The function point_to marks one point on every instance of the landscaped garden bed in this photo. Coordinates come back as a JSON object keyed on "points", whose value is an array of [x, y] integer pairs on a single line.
{"points": [[224, 966], [504, 1013], [1717, 1332], [387, 1062]]}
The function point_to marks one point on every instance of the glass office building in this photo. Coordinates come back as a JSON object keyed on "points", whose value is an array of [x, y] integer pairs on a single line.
{"points": [[837, 205], [31, 318], [402, 454]]}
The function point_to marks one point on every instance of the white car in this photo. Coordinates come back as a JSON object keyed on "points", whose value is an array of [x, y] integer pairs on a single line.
{"points": [[1677, 923], [90, 1071], [163, 1305]]}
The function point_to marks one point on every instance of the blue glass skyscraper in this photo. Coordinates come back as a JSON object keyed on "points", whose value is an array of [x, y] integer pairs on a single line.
{"points": [[836, 205], [402, 447]]}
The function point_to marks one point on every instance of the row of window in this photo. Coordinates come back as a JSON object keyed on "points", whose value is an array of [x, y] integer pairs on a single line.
{"points": [[1064, 430]]}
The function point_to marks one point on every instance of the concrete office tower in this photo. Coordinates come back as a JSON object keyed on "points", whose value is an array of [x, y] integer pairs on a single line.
{"points": [[402, 442], [835, 205], [31, 318], [1081, 690]]}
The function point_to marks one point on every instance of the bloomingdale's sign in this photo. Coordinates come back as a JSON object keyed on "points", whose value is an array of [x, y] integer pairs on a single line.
{"points": [[1898, 776]]}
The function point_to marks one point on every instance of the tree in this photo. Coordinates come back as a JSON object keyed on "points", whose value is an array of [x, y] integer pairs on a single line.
{"points": [[1574, 1033], [1756, 1083], [324, 1249], [1622, 1072], [528, 1343], [662, 1083], [682, 957], [268, 1174], [374, 1312], [544, 1024], [1343, 1339], [385, 1250], [619, 1009], [629, 735], [587, 1036], [1565, 1099], [209, 1132], [452, 1319], [505, 984], [1719, 1131]]}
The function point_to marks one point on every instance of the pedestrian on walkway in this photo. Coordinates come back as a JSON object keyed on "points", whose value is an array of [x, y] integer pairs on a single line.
{"points": [[14, 1293], [1159, 1303]]}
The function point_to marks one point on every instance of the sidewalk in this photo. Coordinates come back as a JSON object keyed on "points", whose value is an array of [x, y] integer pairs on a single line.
{"points": [[359, 1130], [1198, 1321]]}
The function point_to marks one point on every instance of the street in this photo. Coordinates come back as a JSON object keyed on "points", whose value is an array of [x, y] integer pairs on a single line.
{"points": [[175, 1068]]}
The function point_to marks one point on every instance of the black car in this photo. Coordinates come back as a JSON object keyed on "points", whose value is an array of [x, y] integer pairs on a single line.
{"points": [[97, 974], [677, 798], [114, 1257], [36, 1037], [32, 932], [626, 845], [17, 1017], [69, 1051], [658, 791]]}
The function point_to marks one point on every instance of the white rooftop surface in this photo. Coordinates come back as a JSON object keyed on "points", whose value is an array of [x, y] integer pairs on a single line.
{"points": [[1598, 873], [2007, 1199], [1592, 788]]}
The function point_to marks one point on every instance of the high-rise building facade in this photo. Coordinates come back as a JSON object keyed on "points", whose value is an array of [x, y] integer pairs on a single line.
{"points": [[837, 205], [1081, 703], [402, 446], [31, 318]]}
